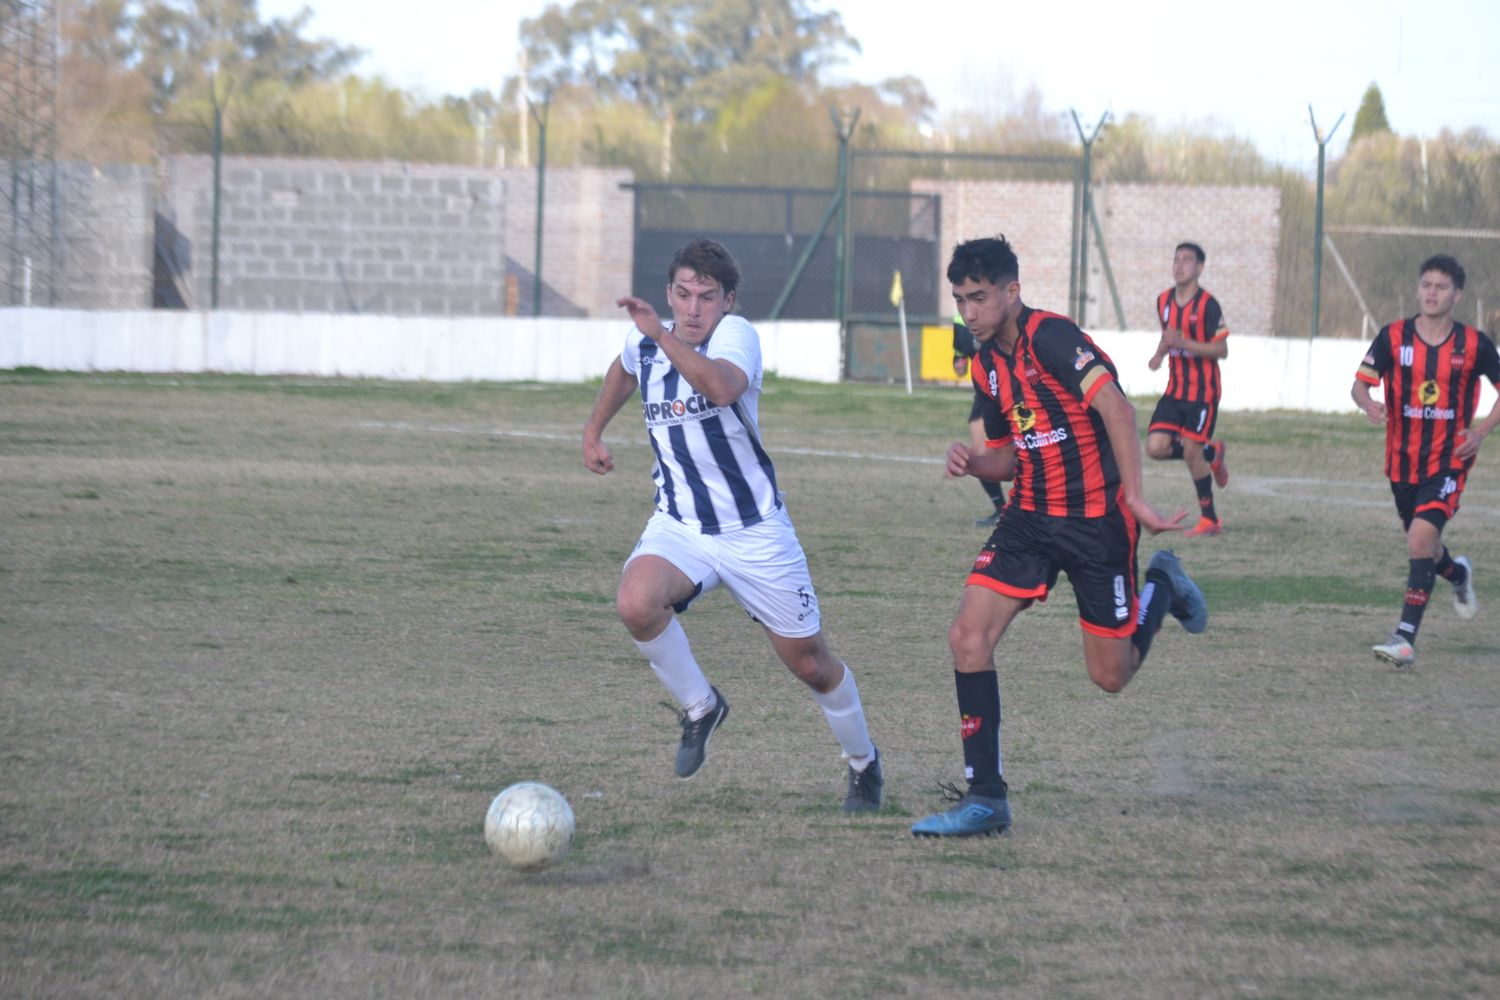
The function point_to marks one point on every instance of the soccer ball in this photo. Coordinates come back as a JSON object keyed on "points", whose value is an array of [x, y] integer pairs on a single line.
{"points": [[530, 825]]}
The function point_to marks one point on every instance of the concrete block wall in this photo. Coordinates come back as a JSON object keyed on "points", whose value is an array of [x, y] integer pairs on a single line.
{"points": [[1238, 227], [108, 220], [102, 246], [588, 242], [342, 236]]}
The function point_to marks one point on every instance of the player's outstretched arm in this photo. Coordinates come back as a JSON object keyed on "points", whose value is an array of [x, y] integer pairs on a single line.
{"points": [[993, 464], [719, 379], [619, 385], [1473, 436], [1372, 409], [1163, 347], [1119, 426]]}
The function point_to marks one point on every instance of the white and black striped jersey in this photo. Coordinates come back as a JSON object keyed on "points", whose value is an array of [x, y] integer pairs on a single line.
{"points": [[711, 471]]}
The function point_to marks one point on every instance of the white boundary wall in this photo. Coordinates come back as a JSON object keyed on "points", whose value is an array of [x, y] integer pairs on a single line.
{"points": [[1261, 373], [436, 349]]}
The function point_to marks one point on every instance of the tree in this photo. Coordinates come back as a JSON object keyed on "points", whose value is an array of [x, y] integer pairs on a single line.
{"points": [[1370, 118], [103, 105], [683, 60], [183, 44]]}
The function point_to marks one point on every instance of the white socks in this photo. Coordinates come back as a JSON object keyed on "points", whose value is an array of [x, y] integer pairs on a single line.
{"points": [[846, 717], [672, 659]]}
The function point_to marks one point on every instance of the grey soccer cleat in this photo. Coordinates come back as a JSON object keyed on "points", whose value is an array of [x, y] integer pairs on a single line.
{"points": [[1396, 651], [1465, 601], [1188, 605], [865, 787], [695, 736]]}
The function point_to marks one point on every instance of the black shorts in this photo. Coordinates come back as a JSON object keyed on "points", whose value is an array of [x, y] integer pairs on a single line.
{"points": [[1194, 421], [1027, 550], [1434, 500]]}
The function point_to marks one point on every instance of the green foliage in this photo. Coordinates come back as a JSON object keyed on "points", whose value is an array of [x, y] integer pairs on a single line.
{"points": [[1135, 150], [1370, 118], [684, 57], [184, 45]]}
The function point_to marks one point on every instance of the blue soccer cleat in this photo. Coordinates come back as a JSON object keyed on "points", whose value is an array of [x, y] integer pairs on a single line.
{"points": [[1188, 605], [972, 816]]}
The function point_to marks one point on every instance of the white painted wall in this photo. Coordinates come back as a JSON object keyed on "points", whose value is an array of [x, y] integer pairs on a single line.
{"points": [[1261, 373], [436, 349]]}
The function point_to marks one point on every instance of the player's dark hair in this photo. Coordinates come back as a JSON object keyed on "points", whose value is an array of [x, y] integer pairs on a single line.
{"points": [[1445, 264], [1197, 251], [709, 260], [990, 258]]}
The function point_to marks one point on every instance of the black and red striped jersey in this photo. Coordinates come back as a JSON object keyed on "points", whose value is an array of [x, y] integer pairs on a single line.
{"points": [[1038, 397], [1192, 379], [1431, 393]]}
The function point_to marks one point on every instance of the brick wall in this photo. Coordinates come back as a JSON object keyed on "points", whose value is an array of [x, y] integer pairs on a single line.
{"points": [[1035, 216], [1238, 227]]}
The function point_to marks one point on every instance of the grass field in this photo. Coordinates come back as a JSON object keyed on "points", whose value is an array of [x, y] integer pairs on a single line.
{"points": [[270, 647]]}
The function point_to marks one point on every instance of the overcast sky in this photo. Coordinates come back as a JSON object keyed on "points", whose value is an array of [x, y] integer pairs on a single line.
{"points": [[1243, 68]]}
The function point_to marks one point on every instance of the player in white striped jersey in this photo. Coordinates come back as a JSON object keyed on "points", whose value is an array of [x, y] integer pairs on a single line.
{"points": [[719, 517]]}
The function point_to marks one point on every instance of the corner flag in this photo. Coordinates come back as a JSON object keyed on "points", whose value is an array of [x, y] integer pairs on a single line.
{"points": [[897, 294]]}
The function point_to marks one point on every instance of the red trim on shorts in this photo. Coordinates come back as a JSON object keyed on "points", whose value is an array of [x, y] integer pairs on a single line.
{"points": [[1448, 507], [1122, 632], [980, 580], [1178, 430]]}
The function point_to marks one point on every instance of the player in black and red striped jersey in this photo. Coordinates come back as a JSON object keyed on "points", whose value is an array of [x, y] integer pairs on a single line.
{"points": [[1057, 424], [964, 349], [1431, 366], [1194, 338]]}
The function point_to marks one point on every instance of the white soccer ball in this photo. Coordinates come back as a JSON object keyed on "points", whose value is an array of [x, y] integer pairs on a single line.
{"points": [[530, 825]]}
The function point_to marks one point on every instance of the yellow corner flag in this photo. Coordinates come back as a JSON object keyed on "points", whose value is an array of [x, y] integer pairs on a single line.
{"points": [[897, 294]]}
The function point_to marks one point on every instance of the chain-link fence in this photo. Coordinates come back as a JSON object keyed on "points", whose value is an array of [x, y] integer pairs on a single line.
{"points": [[469, 219], [31, 215]]}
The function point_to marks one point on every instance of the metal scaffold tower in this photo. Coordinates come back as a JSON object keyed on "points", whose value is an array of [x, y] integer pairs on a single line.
{"points": [[29, 220]]}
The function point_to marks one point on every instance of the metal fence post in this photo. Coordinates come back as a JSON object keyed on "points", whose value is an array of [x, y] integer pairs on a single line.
{"points": [[1088, 209], [841, 237], [541, 194], [1317, 301], [213, 279]]}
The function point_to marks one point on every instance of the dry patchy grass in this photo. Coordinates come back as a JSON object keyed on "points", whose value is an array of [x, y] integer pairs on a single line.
{"points": [[270, 647]]}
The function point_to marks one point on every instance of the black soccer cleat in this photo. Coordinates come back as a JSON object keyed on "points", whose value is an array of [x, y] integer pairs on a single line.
{"points": [[693, 748], [865, 787]]}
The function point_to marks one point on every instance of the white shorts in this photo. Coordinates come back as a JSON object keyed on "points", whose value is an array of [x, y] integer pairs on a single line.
{"points": [[763, 566]]}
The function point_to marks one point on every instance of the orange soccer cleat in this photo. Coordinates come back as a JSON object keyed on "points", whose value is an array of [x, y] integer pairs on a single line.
{"points": [[1205, 528]]}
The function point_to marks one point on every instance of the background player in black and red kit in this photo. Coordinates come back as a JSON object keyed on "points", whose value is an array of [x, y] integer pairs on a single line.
{"points": [[1058, 424], [964, 348], [1431, 366], [1193, 335]]}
